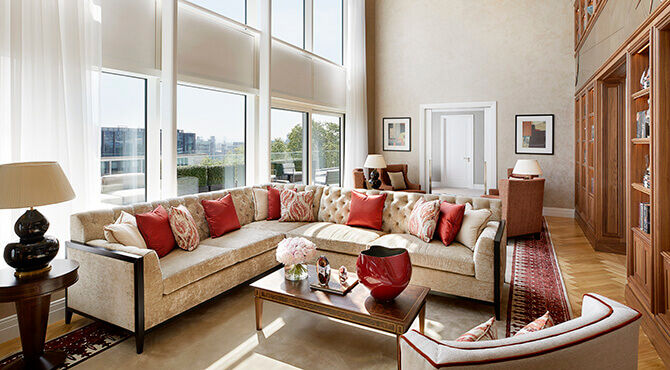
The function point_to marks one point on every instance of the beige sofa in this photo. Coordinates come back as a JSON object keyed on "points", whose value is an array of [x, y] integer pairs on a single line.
{"points": [[134, 289]]}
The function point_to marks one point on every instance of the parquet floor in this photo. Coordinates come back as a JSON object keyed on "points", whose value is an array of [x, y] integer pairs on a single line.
{"points": [[587, 271]]}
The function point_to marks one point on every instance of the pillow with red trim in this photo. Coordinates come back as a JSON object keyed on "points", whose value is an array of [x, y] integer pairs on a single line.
{"points": [[184, 228], [296, 205], [274, 203], [221, 215], [449, 221], [483, 331], [423, 219], [542, 322], [155, 229], [366, 210]]}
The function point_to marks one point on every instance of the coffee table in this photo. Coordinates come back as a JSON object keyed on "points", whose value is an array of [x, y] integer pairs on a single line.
{"points": [[357, 306]]}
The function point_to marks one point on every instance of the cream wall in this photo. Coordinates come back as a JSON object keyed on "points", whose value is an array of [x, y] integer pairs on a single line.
{"points": [[516, 52]]}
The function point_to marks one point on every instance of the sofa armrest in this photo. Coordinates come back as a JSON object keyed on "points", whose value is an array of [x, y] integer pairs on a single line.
{"points": [[416, 352], [489, 258]]}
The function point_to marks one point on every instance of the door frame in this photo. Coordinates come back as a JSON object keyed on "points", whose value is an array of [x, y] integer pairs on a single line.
{"points": [[490, 132], [443, 135]]}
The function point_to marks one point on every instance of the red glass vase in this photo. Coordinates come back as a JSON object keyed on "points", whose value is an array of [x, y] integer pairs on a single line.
{"points": [[385, 271]]}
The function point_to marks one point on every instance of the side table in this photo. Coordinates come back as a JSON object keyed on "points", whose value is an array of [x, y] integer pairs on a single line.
{"points": [[32, 298]]}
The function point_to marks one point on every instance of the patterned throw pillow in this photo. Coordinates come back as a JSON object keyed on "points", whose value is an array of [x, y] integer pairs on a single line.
{"points": [[542, 322], [296, 206], [184, 228], [483, 331], [423, 219]]}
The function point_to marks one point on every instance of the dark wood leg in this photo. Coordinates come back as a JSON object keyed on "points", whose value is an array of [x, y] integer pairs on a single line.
{"points": [[397, 339], [259, 313], [68, 316], [422, 319], [139, 341], [537, 236]]}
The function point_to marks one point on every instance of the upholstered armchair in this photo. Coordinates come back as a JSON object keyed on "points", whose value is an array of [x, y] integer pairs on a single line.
{"points": [[359, 179], [386, 181], [604, 337], [522, 205]]}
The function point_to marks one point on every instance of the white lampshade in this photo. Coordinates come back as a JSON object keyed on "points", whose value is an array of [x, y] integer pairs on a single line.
{"points": [[31, 184], [375, 161], [527, 167]]}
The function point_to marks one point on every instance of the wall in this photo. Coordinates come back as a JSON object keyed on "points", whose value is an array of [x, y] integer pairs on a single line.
{"points": [[478, 148], [518, 53]]}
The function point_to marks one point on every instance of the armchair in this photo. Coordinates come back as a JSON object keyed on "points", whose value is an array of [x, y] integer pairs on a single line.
{"points": [[522, 203], [386, 181]]}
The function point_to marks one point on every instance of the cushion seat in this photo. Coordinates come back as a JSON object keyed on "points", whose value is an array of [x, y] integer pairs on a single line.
{"points": [[181, 268], [337, 238], [275, 225], [455, 258]]}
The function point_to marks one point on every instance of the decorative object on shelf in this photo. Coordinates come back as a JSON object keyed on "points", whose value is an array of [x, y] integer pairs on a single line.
{"points": [[294, 253], [344, 274], [385, 271], [397, 134], [646, 178], [31, 184], [642, 124], [527, 168], [323, 270], [645, 220], [534, 134], [373, 162], [645, 79]]}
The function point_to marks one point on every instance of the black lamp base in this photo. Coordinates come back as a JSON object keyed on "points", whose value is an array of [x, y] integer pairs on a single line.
{"points": [[374, 181], [32, 254]]}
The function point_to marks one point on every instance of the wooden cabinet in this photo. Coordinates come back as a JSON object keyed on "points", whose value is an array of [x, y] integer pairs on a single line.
{"points": [[642, 265], [585, 14]]}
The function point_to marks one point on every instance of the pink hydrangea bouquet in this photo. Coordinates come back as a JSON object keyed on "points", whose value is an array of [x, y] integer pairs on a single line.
{"points": [[294, 253]]}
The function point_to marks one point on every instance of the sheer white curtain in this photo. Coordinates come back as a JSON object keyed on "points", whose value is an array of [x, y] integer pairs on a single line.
{"points": [[356, 125], [50, 60]]}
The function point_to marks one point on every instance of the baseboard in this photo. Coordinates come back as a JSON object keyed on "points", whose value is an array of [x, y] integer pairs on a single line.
{"points": [[558, 212], [9, 326]]}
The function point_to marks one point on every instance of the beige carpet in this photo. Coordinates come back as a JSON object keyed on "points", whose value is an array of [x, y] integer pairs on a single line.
{"points": [[220, 334]]}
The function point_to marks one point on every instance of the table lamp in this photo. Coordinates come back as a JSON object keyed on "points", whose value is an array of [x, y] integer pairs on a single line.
{"points": [[28, 185], [527, 168], [375, 161]]}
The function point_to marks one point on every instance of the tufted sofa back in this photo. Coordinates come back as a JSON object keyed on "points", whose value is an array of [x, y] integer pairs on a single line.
{"points": [[335, 206], [318, 191]]}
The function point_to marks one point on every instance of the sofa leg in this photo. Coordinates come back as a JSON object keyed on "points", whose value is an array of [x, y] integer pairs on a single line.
{"points": [[68, 316], [537, 236], [139, 341]]}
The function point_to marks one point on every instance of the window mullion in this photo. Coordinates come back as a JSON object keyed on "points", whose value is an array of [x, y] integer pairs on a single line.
{"points": [[308, 29]]}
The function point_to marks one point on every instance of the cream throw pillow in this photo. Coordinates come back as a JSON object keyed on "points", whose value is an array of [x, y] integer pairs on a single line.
{"points": [[397, 180], [260, 204], [124, 231], [474, 222]]}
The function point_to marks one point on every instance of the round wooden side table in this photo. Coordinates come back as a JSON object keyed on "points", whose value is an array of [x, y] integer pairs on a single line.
{"points": [[32, 298]]}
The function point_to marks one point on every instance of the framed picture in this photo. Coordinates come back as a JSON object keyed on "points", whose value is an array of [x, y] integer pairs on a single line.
{"points": [[534, 134], [397, 134]]}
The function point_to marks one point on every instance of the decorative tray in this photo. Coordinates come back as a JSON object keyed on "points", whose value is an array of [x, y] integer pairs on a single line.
{"points": [[334, 285]]}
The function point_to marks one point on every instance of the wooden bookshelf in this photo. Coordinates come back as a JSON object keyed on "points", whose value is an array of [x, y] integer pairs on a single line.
{"points": [[639, 187], [585, 14]]}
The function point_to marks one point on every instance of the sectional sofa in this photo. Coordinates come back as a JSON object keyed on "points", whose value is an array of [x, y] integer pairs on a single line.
{"points": [[132, 288]]}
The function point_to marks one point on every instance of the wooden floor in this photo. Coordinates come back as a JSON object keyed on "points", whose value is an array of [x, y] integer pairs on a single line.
{"points": [[584, 271]]}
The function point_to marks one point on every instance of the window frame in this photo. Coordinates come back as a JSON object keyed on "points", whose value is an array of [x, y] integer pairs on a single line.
{"points": [[311, 46], [306, 141], [342, 126]]}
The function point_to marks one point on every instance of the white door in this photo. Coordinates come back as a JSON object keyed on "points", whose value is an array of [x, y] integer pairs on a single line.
{"points": [[457, 148]]}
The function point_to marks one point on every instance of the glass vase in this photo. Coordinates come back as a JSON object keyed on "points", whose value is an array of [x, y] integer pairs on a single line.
{"points": [[296, 272]]}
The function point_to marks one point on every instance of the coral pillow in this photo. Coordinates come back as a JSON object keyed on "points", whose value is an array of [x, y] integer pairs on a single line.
{"points": [[483, 331], [542, 322], [296, 206], [184, 229], [156, 231], [423, 219], [449, 223], [124, 231], [274, 204], [366, 210], [221, 215]]}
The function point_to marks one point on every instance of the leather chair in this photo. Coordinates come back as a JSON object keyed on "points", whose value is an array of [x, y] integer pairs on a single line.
{"points": [[522, 202], [386, 181], [359, 178]]}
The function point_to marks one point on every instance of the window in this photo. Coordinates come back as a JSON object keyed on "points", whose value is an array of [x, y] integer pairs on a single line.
{"points": [[211, 127], [233, 9], [327, 28], [123, 144], [288, 21], [287, 147], [326, 148]]}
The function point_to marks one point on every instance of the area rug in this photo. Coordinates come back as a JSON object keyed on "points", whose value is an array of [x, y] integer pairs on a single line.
{"points": [[81, 344], [536, 284]]}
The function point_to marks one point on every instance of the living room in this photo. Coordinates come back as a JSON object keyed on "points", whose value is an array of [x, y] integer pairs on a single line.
{"points": [[362, 184]]}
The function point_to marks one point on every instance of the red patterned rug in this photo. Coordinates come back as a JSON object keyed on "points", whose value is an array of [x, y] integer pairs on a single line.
{"points": [[81, 344], [536, 284]]}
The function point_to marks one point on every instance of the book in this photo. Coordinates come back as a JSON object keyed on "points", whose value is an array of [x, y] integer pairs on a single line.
{"points": [[645, 219]]}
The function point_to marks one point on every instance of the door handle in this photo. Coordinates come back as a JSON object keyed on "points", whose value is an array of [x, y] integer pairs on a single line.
{"points": [[467, 158]]}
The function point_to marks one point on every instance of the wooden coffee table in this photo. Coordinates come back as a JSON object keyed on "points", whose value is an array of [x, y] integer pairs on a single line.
{"points": [[357, 306]]}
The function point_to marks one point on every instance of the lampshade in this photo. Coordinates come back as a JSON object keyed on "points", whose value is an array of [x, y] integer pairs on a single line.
{"points": [[31, 184], [527, 167], [375, 161]]}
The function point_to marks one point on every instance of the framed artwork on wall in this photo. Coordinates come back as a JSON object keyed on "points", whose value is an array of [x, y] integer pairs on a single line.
{"points": [[534, 134], [397, 134]]}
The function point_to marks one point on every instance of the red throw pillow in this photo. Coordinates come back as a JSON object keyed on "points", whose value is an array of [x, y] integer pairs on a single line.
{"points": [[274, 204], [155, 229], [366, 210], [449, 222], [221, 215]]}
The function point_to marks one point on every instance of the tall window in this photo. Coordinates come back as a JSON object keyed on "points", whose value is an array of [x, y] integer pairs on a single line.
{"points": [[326, 148], [233, 9], [288, 21], [287, 149], [123, 144], [327, 28], [211, 128]]}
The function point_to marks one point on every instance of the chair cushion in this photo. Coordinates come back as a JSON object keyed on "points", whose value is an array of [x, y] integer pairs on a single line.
{"points": [[456, 258], [275, 225], [180, 268], [449, 222], [366, 210], [397, 180], [423, 219], [296, 206], [221, 215], [183, 227], [337, 238], [124, 231], [260, 197], [474, 222], [156, 231]]}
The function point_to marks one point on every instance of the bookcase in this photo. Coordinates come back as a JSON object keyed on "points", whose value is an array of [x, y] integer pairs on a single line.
{"points": [[585, 14], [585, 138]]}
